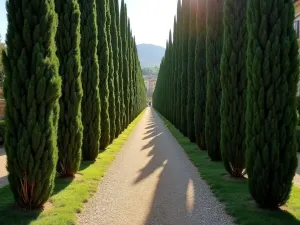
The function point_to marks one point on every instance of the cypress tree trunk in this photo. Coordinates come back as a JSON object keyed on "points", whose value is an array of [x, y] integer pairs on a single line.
{"points": [[184, 71], [213, 59], [233, 84], [191, 74], [125, 62], [90, 80], [115, 45], [68, 50], [111, 74], [32, 88], [272, 68], [200, 75], [103, 57]]}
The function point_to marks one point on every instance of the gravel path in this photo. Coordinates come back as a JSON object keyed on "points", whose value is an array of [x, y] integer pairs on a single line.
{"points": [[3, 171], [152, 182]]}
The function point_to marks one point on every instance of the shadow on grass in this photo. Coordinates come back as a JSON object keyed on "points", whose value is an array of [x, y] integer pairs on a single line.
{"points": [[235, 195], [10, 215], [8, 212]]}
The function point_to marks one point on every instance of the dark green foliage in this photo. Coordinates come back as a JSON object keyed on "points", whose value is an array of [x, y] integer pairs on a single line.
{"points": [[2, 131], [120, 60], [90, 80], [114, 12], [191, 72], [298, 108], [125, 73], [178, 65], [31, 89], [103, 58], [214, 28], [174, 72], [200, 75], [184, 70], [234, 84], [130, 74], [70, 127], [111, 74], [272, 68], [298, 139]]}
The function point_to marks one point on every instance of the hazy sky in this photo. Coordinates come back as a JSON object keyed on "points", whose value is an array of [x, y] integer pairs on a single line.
{"points": [[151, 20]]}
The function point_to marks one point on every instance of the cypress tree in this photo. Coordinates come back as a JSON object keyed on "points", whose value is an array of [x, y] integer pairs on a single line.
{"points": [[233, 84], [32, 88], [132, 77], [174, 84], [200, 75], [184, 71], [179, 65], [120, 60], [103, 58], [125, 63], [90, 80], [191, 72], [130, 70], [213, 59], [68, 50], [111, 74], [115, 46], [271, 116]]}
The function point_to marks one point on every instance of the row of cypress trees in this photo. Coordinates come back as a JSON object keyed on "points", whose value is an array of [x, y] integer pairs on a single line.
{"points": [[228, 81], [73, 84]]}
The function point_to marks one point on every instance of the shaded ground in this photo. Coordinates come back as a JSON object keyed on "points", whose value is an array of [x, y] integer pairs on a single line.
{"points": [[153, 182]]}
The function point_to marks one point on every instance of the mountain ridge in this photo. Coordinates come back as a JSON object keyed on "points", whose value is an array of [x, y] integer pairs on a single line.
{"points": [[150, 55]]}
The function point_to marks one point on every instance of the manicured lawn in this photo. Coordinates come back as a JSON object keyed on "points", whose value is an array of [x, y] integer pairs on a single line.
{"points": [[234, 193], [69, 195]]}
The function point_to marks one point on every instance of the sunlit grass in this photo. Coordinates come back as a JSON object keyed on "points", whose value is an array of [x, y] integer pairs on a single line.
{"points": [[69, 195], [234, 193]]}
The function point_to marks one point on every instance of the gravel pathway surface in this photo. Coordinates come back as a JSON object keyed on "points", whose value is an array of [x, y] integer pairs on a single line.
{"points": [[152, 182], [3, 171]]}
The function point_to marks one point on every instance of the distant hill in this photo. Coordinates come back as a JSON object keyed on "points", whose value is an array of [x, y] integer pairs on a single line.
{"points": [[150, 55]]}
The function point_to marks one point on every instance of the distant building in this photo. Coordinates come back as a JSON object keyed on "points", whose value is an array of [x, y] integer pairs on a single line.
{"points": [[150, 82]]}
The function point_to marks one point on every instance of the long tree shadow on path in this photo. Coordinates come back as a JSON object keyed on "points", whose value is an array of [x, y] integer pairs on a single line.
{"points": [[176, 198]]}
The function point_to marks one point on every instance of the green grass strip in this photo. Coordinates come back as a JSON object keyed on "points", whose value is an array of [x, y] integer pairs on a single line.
{"points": [[234, 193], [69, 195]]}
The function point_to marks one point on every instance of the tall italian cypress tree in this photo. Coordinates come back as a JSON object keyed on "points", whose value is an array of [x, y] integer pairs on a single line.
{"points": [[125, 72], [184, 71], [233, 84], [103, 57], [115, 47], [130, 71], [272, 68], [200, 75], [213, 58], [179, 64], [191, 72], [90, 80], [120, 60], [31, 89], [175, 69], [70, 127], [111, 74]]}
